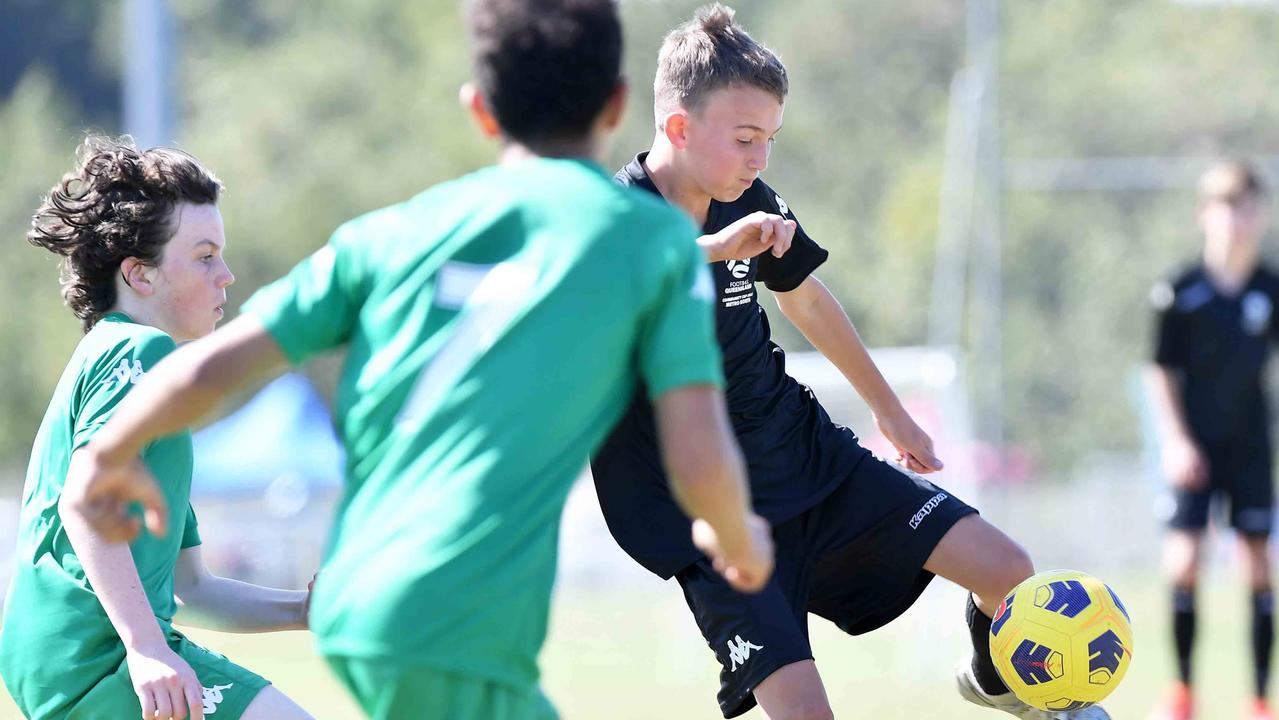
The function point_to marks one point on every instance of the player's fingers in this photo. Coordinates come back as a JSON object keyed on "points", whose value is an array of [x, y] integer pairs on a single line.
{"points": [[194, 699], [785, 237], [929, 460], [147, 701], [704, 537], [109, 518], [742, 580], [163, 703], [178, 701], [142, 488], [765, 233]]}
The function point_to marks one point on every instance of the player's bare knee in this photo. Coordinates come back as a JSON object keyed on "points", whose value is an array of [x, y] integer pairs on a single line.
{"points": [[1018, 564], [1010, 565]]}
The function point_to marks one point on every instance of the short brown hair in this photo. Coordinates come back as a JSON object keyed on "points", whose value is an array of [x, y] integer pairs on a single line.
{"points": [[1231, 181], [711, 52], [117, 203]]}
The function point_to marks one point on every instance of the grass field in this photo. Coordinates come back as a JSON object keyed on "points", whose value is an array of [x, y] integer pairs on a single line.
{"points": [[634, 654]]}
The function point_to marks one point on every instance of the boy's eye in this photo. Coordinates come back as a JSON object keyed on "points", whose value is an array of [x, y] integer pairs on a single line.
{"points": [[745, 141]]}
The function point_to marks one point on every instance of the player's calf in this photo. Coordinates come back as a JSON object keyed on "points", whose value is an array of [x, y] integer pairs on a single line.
{"points": [[794, 692]]}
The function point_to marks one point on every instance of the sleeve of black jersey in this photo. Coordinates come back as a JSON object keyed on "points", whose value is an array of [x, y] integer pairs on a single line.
{"points": [[785, 273], [1169, 342]]}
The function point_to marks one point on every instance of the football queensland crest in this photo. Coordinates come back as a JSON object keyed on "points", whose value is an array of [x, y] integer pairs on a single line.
{"points": [[1061, 640]]}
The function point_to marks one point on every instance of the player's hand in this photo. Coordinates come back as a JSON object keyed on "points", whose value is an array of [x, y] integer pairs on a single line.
{"points": [[750, 236], [1185, 464], [746, 568], [914, 447], [102, 492], [165, 684]]}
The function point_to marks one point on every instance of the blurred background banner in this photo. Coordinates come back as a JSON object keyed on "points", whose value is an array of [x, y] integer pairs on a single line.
{"points": [[999, 184]]}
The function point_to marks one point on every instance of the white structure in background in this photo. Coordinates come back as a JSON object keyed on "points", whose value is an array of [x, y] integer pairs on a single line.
{"points": [[149, 62]]}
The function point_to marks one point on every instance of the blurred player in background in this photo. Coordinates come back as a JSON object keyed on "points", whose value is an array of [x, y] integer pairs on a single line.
{"points": [[88, 624], [496, 327], [1214, 330], [858, 539]]}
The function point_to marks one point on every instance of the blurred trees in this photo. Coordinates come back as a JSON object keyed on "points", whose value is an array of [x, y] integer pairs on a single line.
{"points": [[313, 111]]}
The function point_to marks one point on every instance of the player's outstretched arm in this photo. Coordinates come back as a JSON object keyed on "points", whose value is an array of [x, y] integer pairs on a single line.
{"points": [[708, 479], [208, 601], [1183, 462], [164, 683], [182, 389], [814, 310]]}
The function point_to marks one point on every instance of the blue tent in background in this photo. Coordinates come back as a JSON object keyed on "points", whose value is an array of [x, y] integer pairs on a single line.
{"points": [[281, 441]]}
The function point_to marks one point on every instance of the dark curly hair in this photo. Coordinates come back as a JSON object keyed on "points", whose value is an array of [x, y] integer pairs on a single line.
{"points": [[117, 203], [546, 67]]}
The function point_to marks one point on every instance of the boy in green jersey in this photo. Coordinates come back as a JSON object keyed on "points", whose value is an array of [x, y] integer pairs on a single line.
{"points": [[496, 326], [87, 629]]}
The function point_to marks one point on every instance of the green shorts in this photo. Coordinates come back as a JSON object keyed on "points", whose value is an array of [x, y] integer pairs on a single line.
{"points": [[392, 691], [228, 688]]}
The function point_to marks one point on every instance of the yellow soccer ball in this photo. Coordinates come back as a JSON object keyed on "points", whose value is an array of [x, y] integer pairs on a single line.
{"points": [[1061, 640]]}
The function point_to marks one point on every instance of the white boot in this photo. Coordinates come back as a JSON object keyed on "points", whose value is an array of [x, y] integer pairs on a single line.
{"points": [[1008, 702]]}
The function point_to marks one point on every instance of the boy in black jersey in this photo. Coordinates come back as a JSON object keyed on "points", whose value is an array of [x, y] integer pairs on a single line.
{"points": [[1214, 332], [856, 539]]}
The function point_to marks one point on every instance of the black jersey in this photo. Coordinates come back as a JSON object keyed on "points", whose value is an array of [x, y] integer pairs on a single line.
{"points": [[795, 455], [1220, 344]]}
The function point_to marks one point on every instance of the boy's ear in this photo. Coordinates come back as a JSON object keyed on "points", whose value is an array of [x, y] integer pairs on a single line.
{"points": [[137, 276], [676, 128], [615, 107], [473, 100]]}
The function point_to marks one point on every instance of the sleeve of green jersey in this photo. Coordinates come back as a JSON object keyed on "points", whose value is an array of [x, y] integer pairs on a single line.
{"points": [[677, 333], [315, 306], [191, 530], [110, 377]]}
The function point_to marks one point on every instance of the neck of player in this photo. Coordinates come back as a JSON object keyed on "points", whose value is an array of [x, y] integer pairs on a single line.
{"points": [[677, 188], [514, 152], [1230, 264]]}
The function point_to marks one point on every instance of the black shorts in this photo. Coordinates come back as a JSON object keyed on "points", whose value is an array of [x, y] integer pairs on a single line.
{"points": [[1243, 479], [855, 559]]}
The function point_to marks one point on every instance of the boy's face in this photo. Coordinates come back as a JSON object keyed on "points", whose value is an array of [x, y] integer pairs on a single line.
{"points": [[727, 143], [190, 282], [1241, 222]]}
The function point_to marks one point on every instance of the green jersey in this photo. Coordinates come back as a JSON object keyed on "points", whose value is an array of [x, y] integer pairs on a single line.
{"points": [[497, 325], [57, 642]]}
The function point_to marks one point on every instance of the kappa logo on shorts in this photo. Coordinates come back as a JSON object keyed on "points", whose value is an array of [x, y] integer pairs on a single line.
{"points": [[213, 697], [741, 652], [927, 509]]}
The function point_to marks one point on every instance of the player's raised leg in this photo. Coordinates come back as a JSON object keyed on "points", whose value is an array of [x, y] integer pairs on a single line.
{"points": [[979, 557]]}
